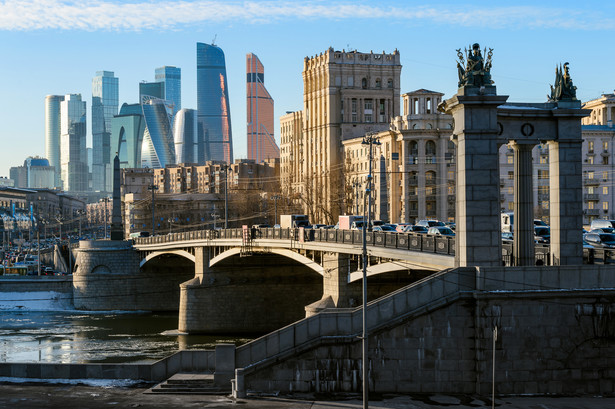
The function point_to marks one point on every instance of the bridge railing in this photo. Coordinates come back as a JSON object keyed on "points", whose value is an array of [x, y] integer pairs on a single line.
{"points": [[402, 241]]}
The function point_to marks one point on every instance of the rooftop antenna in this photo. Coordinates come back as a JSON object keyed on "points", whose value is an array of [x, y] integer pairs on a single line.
{"points": [[213, 42]]}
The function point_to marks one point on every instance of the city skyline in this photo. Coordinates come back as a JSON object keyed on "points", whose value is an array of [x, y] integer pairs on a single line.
{"points": [[528, 43]]}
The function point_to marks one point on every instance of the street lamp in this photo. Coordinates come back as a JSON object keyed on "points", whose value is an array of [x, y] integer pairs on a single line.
{"points": [[275, 206], [370, 139]]}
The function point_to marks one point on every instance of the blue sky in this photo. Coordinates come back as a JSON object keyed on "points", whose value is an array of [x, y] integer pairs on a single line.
{"points": [[55, 47]]}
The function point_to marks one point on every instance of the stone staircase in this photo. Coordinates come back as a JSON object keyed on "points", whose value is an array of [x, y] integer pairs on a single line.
{"points": [[190, 384]]}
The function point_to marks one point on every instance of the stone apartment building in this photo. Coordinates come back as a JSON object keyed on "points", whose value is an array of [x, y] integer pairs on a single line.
{"points": [[345, 95]]}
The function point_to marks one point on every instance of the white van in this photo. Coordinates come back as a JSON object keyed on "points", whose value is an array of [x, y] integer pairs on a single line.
{"points": [[602, 223]]}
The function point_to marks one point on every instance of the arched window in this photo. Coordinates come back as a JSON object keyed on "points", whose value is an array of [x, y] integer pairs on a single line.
{"points": [[364, 83], [390, 83], [430, 177], [413, 153], [430, 148], [378, 83]]}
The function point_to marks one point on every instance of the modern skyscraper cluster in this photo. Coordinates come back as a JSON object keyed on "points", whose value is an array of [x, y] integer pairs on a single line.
{"points": [[156, 131], [261, 143]]}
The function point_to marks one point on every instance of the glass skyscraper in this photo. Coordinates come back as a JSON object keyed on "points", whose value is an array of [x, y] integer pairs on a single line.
{"points": [[151, 89], [52, 133], [261, 143], [158, 149], [185, 136], [73, 155], [127, 130], [214, 115], [105, 100], [171, 77]]}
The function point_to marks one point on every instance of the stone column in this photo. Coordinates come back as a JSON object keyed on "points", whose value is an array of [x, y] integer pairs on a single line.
{"points": [[566, 206], [335, 282], [478, 239], [523, 247], [421, 180]]}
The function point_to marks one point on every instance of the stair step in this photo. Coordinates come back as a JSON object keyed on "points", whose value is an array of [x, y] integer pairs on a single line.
{"points": [[188, 390], [190, 383]]}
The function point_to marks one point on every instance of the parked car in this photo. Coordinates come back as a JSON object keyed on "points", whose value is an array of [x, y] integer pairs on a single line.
{"points": [[602, 223], [603, 230], [507, 237], [430, 223], [419, 229], [385, 227], [440, 231], [542, 234], [403, 227], [603, 240]]}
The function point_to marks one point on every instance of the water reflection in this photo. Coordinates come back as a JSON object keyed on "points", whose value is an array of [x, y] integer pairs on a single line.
{"points": [[75, 337]]}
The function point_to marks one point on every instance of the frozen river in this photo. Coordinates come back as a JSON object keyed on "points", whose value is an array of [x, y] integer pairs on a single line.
{"points": [[43, 327]]}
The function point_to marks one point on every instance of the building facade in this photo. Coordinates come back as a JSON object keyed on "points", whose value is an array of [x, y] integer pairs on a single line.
{"points": [[127, 130], [52, 134], [214, 114], [185, 136], [292, 160], [73, 155], [261, 140], [345, 95], [171, 77], [157, 150], [35, 173], [105, 100]]}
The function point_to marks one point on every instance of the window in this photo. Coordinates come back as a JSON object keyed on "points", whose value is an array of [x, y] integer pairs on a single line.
{"points": [[511, 159], [543, 174], [605, 175], [605, 205], [590, 160], [605, 190], [605, 145], [378, 83], [511, 205], [590, 205], [590, 190], [430, 148], [544, 204], [364, 83], [354, 109], [511, 190], [451, 190], [605, 160], [511, 175], [390, 83], [590, 146], [544, 159], [590, 174], [351, 81]]}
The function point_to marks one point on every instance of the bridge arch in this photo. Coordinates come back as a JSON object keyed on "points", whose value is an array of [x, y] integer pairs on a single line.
{"points": [[308, 262], [181, 253]]}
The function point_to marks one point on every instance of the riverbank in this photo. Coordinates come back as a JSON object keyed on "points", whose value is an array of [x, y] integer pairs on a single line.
{"points": [[33, 396]]}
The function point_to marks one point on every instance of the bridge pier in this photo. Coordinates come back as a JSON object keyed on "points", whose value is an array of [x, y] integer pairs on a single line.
{"points": [[338, 267], [254, 294]]}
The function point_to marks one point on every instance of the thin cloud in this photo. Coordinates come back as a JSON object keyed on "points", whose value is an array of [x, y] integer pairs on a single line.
{"points": [[28, 15]]}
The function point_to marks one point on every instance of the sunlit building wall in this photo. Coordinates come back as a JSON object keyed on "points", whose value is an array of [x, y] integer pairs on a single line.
{"points": [[261, 141], [185, 136], [158, 149], [105, 99], [52, 133], [214, 116], [73, 156]]}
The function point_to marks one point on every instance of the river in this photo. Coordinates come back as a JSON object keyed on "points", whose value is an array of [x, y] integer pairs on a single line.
{"points": [[43, 327]]}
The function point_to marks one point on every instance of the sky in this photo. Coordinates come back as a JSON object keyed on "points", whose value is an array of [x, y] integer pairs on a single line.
{"points": [[56, 47]]}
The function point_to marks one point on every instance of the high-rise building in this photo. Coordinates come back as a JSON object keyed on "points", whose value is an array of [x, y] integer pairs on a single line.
{"points": [[151, 89], [52, 133], [345, 95], [157, 150], [73, 156], [171, 77], [261, 142], [127, 129], [185, 136], [213, 103], [105, 99]]}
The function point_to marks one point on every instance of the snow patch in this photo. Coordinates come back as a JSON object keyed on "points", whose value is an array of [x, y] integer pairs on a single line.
{"points": [[103, 383], [36, 301]]}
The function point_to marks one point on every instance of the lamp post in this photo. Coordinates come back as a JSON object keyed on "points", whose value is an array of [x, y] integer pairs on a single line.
{"points": [[275, 207], [153, 188], [225, 168], [370, 139]]}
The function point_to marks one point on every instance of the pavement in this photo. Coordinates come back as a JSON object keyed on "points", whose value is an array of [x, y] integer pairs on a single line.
{"points": [[26, 396]]}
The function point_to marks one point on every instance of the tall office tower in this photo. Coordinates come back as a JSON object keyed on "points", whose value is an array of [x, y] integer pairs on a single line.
{"points": [[345, 95], [151, 89], [171, 77], [157, 150], [105, 98], [73, 156], [127, 129], [52, 133], [261, 143], [213, 104], [185, 136]]}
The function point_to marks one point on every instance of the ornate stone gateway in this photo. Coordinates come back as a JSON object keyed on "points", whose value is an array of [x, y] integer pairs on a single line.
{"points": [[483, 122]]}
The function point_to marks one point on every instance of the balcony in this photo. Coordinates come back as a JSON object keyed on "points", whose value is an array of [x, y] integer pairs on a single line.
{"points": [[592, 212], [591, 181], [591, 197]]}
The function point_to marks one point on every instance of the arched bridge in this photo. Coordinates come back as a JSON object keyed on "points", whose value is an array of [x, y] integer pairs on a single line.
{"points": [[386, 251]]}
